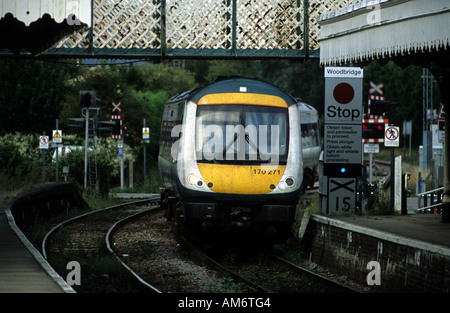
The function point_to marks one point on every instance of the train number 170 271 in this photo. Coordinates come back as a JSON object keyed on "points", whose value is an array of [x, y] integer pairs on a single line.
{"points": [[266, 172]]}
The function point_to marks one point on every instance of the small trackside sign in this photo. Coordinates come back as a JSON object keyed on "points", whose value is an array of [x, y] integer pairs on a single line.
{"points": [[391, 136], [43, 142]]}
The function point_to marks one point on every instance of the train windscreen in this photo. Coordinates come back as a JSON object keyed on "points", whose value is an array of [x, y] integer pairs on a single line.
{"points": [[241, 133]]}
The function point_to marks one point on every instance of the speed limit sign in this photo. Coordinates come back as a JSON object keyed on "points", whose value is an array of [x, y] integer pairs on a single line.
{"points": [[341, 195]]}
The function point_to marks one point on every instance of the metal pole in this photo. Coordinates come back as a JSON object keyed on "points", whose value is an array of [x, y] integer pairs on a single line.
{"points": [[57, 152], [233, 26], [410, 136], [145, 158], [306, 28], [86, 148], [392, 179], [91, 29], [43, 161], [121, 164], [370, 168], [163, 28]]}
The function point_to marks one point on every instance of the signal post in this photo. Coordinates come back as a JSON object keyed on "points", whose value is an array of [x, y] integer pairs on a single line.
{"points": [[343, 137], [116, 133]]}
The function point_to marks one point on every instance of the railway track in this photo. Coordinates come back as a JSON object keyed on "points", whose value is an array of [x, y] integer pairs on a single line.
{"points": [[275, 274], [134, 239], [150, 247], [324, 283], [144, 244], [110, 244], [246, 277], [81, 239]]}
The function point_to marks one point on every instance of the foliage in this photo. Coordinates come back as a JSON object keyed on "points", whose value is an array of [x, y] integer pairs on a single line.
{"points": [[152, 106], [31, 93], [403, 86], [302, 80], [244, 68], [10, 160], [108, 163], [20, 160], [19, 146], [378, 204], [162, 76]]}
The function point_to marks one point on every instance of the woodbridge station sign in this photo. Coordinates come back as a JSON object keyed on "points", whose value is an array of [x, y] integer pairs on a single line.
{"points": [[342, 136], [343, 72], [343, 115], [343, 95]]}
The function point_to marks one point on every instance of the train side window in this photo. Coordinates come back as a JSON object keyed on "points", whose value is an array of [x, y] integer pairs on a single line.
{"points": [[310, 136]]}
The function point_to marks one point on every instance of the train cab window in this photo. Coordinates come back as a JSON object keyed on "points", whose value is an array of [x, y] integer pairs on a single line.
{"points": [[233, 133]]}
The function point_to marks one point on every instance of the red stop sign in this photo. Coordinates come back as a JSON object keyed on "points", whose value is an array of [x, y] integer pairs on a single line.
{"points": [[343, 93]]}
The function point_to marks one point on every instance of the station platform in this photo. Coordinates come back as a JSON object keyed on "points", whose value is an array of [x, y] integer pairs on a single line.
{"points": [[427, 228], [22, 267], [136, 195], [412, 250]]}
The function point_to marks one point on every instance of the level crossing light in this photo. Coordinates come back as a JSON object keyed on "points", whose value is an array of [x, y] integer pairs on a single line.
{"points": [[373, 130]]}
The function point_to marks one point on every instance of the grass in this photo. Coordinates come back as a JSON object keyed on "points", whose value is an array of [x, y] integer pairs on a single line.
{"points": [[151, 185], [308, 204]]}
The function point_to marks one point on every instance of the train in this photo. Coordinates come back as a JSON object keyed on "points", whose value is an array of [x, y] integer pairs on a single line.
{"points": [[230, 157], [311, 143]]}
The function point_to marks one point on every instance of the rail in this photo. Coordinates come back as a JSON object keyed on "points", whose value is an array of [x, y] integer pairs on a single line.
{"points": [[76, 218], [111, 229], [108, 240]]}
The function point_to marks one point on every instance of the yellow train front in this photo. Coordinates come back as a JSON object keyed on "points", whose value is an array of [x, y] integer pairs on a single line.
{"points": [[230, 157]]}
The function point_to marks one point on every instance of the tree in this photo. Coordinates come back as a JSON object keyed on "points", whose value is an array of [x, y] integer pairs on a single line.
{"points": [[163, 76], [403, 86], [31, 93], [246, 68], [151, 106], [302, 80]]}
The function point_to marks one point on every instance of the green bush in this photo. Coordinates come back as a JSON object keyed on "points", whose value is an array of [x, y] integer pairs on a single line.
{"points": [[377, 204], [11, 162]]}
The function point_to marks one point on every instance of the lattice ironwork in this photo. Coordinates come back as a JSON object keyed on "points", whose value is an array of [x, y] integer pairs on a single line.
{"points": [[204, 27], [198, 24], [269, 24], [121, 24], [316, 8]]}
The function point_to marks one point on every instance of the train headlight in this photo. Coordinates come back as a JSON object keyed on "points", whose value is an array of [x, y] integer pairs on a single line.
{"points": [[282, 185], [290, 181], [193, 179], [286, 183]]}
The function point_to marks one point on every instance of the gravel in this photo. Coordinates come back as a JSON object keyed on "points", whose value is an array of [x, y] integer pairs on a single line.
{"points": [[150, 248]]}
